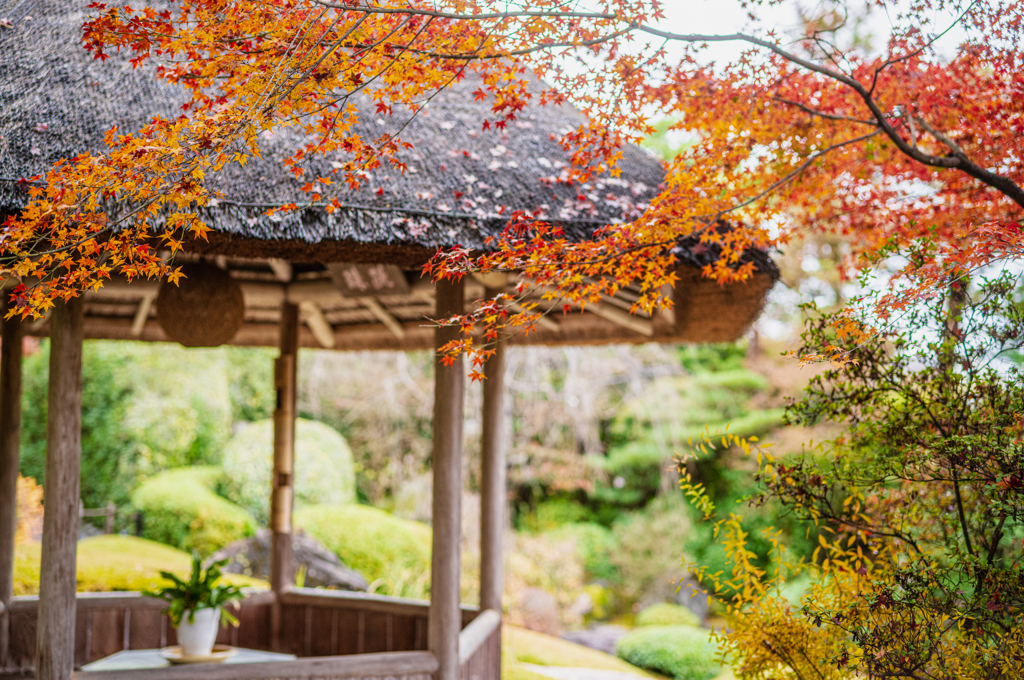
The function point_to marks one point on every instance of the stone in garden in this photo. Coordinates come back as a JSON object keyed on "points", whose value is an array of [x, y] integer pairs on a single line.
{"points": [[692, 596], [251, 556], [602, 637], [583, 605], [538, 610]]}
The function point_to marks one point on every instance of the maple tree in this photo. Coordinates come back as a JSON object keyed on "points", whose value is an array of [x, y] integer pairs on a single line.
{"points": [[902, 150]]}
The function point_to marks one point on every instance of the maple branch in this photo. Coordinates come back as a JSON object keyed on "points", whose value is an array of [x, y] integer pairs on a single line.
{"points": [[956, 161], [822, 114], [525, 50], [522, 14], [792, 175], [953, 146]]}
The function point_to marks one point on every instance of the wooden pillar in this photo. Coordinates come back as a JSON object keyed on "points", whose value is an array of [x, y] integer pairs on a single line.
{"points": [[10, 444], [445, 621], [282, 479], [55, 631], [492, 478]]}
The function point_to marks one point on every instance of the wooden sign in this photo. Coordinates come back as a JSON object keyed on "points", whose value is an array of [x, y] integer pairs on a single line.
{"points": [[368, 280]]}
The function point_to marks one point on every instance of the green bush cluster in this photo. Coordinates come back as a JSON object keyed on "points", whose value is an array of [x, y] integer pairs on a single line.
{"points": [[181, 508], [644, 434], [667, 614], [392, 553], [680, 652], [596, 545], [145, 408], [324, 473]]}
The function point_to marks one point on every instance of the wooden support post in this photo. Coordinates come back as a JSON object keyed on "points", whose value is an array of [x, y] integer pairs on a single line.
{"points": [[10, 442], [55, 627], [445, 620], [492, 478], [108, 526], [282, 490]]}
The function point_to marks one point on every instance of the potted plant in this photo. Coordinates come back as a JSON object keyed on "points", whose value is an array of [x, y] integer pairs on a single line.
{"points": [[197, 606]]}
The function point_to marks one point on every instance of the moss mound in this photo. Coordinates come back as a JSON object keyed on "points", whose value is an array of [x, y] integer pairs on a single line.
{"points": [[113, 563], [667, 614], [324, 472], [681, 652], [181, 508], [393, 554]]}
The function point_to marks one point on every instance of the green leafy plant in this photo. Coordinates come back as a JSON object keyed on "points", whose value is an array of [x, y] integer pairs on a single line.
{"points": [[681, 652], [199, 592]]}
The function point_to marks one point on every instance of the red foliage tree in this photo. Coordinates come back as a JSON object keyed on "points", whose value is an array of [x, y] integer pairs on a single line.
{"points": [[902, 149]]}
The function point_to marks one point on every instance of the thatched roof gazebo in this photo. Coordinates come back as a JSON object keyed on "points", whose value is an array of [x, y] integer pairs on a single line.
{"points": [[344, 281]]}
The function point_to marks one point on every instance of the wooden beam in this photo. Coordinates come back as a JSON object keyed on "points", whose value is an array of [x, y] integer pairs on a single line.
{"points": [[10, 445], [390, 322], [282, 479], [282, 269], [611, 313], [142, 314], [622, 318], [317, 323], [55, 627], [449, 385], [492, 478], [545, 322]]}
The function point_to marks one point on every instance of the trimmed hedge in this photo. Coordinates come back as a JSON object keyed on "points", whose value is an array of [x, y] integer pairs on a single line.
{"points": [[681, 652], [114, 563], [392, 553], [667, 614], [181, 509], [324, 473]]}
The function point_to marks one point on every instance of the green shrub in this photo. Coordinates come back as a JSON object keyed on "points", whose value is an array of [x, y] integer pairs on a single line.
{"points": [[667, 614], [680, 652], [652, 544], [324, 473], [392, 553], [551, 514], [595, 544], [141, 413], [181, 509]]}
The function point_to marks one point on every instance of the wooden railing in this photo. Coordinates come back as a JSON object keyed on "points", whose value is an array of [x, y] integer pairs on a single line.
{"points": [[329, 622], [393, 666], [334, 633], [106, 623], [480, 648]]}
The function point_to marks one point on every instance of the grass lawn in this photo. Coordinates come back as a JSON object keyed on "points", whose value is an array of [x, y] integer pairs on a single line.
{"points": [[526, 646], [520, 646], [109, 563]]}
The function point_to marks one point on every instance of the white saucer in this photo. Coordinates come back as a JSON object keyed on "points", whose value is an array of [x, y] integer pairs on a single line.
{"points": [[219, 654]]}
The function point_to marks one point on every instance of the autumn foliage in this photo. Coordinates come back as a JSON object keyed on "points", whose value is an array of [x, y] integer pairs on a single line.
{"points": [[905, 147]]}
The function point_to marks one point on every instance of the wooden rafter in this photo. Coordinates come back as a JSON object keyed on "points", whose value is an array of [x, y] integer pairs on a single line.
{"points": [[390, 322], [314, 318]]}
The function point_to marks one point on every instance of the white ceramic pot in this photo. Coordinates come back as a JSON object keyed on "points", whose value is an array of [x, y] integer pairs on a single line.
{"points": [[197, 638]]}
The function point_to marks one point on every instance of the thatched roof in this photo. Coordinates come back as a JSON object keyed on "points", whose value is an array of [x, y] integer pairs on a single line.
{"points": [[56, 101]]}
